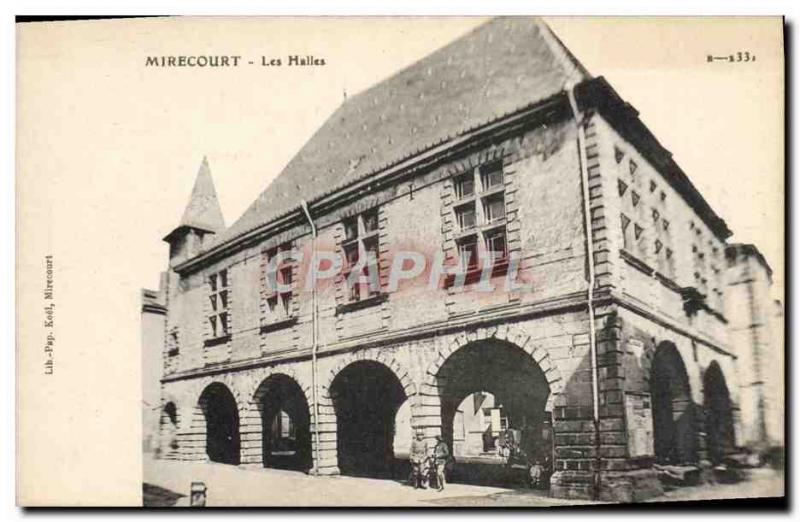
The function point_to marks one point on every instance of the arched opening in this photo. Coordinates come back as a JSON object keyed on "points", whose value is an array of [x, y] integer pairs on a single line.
{"points": [[169, 429], [366, 397], [674, 423], [285, 424], [493, 397], [719, 416], [221, 417]]}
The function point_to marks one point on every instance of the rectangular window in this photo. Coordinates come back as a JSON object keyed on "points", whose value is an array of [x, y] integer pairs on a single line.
{"points": [[496, 245], [466, 217], [280, 274], [361, 248], [350, 229], [468, 253], [465, 186], [370, 219], [491, 175], [218, 297], [494, 208], [481, 223]]}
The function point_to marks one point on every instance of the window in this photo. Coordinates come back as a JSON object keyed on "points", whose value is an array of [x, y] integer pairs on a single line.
{"points": [[481, 221], [351, 228], [468, 253], [280, 279], [621, 187], [492, 175], [466, 217], [465, 186], [361, 247], [219, 297], [626, 235], [494, 208], [496, 245], [618, 154]]}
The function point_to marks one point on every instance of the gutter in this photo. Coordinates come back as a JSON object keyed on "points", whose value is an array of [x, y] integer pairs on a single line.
{"points": [[314, 337], [578, 116]]}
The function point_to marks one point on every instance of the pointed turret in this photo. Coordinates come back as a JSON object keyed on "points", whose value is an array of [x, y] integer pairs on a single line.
{"points": [[201, 219]]}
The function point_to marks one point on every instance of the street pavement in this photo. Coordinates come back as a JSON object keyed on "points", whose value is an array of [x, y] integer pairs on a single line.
{"points": [[232, 486]]}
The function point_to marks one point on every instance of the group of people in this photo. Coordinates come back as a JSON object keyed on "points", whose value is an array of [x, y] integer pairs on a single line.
{"points": [[428, 462]]}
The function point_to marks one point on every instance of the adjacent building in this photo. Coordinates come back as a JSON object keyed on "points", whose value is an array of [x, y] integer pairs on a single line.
{"points": [[571, 277]]}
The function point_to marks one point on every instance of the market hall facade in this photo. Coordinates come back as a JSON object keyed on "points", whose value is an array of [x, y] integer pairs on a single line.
{"points": [[581, 297]]}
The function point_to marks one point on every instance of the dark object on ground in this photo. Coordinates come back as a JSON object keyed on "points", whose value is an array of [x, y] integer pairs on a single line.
{"points": [[678, 475], [154, 496], [728, 474]]}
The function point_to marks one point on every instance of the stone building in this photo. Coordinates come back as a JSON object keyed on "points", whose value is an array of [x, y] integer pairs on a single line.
{"points": [[153, 325], [503, 162], [756, 336]]}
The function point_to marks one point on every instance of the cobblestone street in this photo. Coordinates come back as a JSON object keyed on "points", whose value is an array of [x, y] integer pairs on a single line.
{"points": [[169, 482]]}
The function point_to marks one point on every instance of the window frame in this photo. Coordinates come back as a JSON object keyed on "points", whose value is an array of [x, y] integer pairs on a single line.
{"points": [[367, 239], [218, 317], [279, 302], [489, 194]]}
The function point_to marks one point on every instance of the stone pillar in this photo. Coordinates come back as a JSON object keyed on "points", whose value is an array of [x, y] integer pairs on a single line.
{"points": [[426, 411], [251, 445], [328, 463]]}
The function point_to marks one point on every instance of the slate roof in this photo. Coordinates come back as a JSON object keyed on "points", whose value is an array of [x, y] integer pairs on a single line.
{"points": [[203, 210], [499, 67]]}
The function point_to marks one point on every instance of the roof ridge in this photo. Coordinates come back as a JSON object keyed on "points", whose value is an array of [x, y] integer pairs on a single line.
{"points": [[493, 70]]}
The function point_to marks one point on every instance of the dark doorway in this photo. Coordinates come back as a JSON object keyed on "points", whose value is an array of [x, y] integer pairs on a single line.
{"points": [[169, 429], [493, 397], [674, 423], [366, 396], [222, 424], [719, 414], [285, 424]]}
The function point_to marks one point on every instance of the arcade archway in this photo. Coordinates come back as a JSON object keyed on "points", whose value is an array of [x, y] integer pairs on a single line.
{"points": [[366, 397], [285, 424], [719, 415], [169, 429], [493, 397], [221, 416], [674, 422]]}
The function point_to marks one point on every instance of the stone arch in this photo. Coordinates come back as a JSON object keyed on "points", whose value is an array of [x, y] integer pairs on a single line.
{"points": [[168, 427], [510, 334], [719, 415], [675, 433], [455, 374], [277, 380], [216, 424], [348, 423], [377, 356]]}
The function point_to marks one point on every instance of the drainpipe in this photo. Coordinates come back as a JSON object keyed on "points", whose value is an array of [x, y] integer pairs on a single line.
{"points": [[576, 114], [314, 335]]}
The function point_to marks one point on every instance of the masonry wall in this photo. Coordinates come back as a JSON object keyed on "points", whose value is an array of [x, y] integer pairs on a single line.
{"points": [[544, 226], [756, 332]]}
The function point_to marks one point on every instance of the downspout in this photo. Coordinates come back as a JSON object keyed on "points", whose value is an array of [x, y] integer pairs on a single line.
{"points": [[314, 335], [576, 114]]}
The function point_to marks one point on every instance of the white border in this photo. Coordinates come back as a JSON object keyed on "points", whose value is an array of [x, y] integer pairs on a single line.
{"points": [[300, 7]]}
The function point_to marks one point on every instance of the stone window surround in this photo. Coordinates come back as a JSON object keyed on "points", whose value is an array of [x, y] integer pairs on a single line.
{"points": [[364, 239], [218, 305], [483, 229], [279, 307]]}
